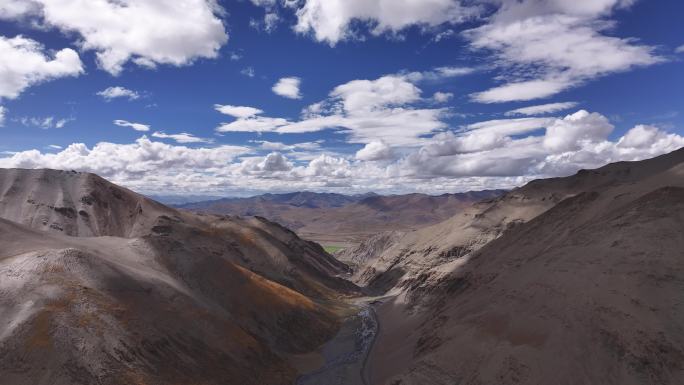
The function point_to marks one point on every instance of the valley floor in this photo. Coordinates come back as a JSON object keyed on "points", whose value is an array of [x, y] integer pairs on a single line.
{"points": [[344, 359]]}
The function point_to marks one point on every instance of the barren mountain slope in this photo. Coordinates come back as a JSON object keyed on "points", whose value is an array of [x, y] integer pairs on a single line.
{"points": [[588, 292], [339, 218], [182, 299], [83, 204], [403, 262], [78, 204]]}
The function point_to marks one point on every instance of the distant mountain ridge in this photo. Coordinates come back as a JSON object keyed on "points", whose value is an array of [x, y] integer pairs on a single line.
{"points": [[298, 199], [330, 217]]}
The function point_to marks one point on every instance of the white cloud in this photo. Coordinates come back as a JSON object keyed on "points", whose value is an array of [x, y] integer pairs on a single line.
{"points": [[367, 95], [54, 147], [275, 162], [252, 124], [278, 146], [374, 151], [144, 164], [328, 167], [25, 62], [366, 110], [447, 143], [248, 71], [118, 92], [645, 136], [521, 91], [268, 24], [136, 30], [3, 112], [237, 111], [288, 88], [549, 46], [43, 122], [500, 150], [492, 154], [680, 49], [438, 74], [135, 126], [62, 122], [571, 132], [330, 20], [11, 9], [542, 109], [510, 126], [442, 97], [183, 137]]}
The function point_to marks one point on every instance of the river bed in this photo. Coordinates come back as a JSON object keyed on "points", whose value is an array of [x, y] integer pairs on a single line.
{"points": [[346, 354]]}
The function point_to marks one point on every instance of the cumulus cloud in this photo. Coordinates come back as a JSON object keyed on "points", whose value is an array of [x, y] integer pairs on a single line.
{"points": [[330, 20], [374, 151], [515, 148], [131, 162], [368, 95], [111, 93], [366, 110], [442, 97], [183, 137], [644, 137], [542, 109], [237, 111], [135, 126], [571, 132], [329, 167], [275, 162], [134, 30], [557, 44], [543, 47], [25, 62], [288, 88], [11, 9], [491, 154]]}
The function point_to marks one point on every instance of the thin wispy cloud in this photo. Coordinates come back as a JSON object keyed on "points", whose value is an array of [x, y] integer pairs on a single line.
{"points": [[135, 126]]}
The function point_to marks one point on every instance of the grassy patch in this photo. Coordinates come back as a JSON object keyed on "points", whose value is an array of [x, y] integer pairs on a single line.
{"points": [[332, 249]]}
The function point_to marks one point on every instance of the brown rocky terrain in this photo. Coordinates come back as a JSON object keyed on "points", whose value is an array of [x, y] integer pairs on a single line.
{"points": [[571, 280], [335, 219], [102, 285]]}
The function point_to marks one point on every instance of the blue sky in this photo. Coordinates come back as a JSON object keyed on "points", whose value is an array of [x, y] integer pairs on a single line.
{"points": [[391, 96]]}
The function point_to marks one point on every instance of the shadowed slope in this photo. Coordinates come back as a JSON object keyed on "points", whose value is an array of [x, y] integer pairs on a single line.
{"points": [[403, 262], [587, 292]]}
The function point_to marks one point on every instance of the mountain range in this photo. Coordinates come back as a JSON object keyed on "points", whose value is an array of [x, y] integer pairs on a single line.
{"points": [[337, 219], [102, 285], [572, 280]]}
